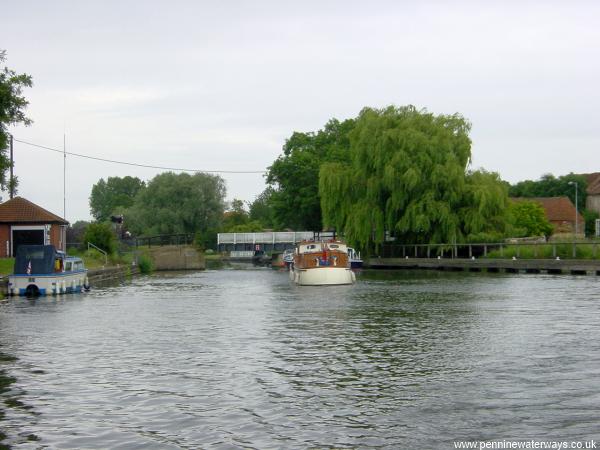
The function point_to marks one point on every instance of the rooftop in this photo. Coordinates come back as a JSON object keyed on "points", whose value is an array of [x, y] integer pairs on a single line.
{"points": [[557, 208], [20, 210], [593, 180]]}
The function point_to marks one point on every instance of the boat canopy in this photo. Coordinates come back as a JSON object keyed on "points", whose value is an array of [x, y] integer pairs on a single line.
{"points": [[37, 259]]}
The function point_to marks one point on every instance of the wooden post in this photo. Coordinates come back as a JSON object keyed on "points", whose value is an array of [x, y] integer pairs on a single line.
{"points": [[470, 251], [554, 250], [501, 250], [574, 250], [518, 251], [416, 255], [429, 251], [485, 250]]}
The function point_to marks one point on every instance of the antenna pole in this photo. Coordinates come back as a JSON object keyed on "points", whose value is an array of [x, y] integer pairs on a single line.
{"points": [[12, 183], [65, 176]]}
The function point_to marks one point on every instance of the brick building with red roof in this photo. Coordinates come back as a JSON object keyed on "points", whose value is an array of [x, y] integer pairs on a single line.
{"points": [[24, 222], [593, 191], [560, 212]]}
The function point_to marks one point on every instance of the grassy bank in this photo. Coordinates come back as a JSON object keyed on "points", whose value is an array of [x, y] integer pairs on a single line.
{"points": [[91, 258], [547, 251]]}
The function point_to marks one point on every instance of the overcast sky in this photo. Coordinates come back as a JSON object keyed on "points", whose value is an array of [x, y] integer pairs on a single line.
{"points": [[221, 85]]}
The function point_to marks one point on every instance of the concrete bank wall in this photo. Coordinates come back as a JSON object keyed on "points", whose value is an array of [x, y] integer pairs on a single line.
{"points": [[177, 257], [109, 274], [553, 266]]}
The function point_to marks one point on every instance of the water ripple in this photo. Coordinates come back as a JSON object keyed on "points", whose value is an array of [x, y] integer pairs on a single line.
{"points": [[229, 359]]}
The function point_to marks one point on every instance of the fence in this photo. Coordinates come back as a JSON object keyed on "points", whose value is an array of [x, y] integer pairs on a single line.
{"points": [[543, 250], [164, 239]]}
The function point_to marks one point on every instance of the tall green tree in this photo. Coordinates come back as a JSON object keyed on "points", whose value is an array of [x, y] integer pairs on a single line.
{"points": [[235, 216], [112, 194], [261, 209], [407, 174], [75, 232], [12, 112], [178, 203], [294, 176], [102, 236]]}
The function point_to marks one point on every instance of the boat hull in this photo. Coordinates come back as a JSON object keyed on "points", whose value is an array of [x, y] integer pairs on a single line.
{"points": [[356, 264], [51, 284], [322, 276]]}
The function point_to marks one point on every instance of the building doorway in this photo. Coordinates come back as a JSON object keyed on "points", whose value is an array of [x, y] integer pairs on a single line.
{"points": [[27, 237]]}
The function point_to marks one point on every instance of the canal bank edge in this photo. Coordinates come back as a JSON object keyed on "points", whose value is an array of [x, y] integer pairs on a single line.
{"points": [[163, 258], [551, 266]]}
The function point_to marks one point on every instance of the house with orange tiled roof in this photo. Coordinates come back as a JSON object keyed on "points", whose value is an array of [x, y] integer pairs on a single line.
{"points": [[593, 191], [23, 222], [560, 212]]}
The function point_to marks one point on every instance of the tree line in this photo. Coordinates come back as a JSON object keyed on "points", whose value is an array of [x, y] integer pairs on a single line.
{"points": [[394, 172], [397, 172], [404, 173]]}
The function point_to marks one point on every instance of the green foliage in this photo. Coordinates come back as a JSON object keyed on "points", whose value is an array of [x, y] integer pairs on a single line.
{"points": [[590, 222], [145, 264], [102, 236], [116, 192], [178, 203], [75, 232], [252, 226], [406, 173], [550, 186], [12, 112], [235, 216], [294, 176], [531, 217], [7, 266], [545, 251], [261, 209], [206, 239], [237, 220]]}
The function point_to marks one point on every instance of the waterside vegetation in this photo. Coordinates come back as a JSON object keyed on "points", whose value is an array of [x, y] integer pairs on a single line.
{"points": [[397, 172]]}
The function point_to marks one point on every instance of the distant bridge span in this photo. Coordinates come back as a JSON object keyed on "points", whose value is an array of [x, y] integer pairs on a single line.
{"points": [[267, 241]]}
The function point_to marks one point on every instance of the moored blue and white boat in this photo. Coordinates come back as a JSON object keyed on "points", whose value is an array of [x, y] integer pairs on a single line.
{"points": [[356, 261], [42, 270]]}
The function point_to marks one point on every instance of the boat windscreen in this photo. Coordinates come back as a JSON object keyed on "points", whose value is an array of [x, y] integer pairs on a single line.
{"points": [[35, 259]]}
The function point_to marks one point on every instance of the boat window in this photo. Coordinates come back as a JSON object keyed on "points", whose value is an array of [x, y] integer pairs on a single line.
{"points": [[333, 246], [68, 266], [77, 265]]}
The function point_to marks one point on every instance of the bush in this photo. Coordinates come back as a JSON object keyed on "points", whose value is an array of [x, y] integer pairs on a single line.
{"points": [[102, 236], [145, 264]]}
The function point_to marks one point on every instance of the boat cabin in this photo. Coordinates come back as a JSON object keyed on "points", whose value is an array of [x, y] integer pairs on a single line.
{"points": [[316, 247], [321, 254], [38, 259]]}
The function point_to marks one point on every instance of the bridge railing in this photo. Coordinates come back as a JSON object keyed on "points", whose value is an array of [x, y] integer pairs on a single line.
{"points": [[270, 237]]}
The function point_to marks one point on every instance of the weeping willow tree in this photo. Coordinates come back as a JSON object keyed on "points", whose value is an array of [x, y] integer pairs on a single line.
{"points": [[407, 174]]}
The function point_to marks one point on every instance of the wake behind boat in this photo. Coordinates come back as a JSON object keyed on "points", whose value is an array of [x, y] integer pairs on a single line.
{"points": [[321, 263], [42, 270]]}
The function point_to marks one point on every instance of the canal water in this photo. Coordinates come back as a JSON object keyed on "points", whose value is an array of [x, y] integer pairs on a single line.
{"points": [[227, 359]]}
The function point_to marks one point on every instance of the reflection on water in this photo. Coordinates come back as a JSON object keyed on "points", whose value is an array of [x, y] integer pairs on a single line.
{"points": [[244, 359]]}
